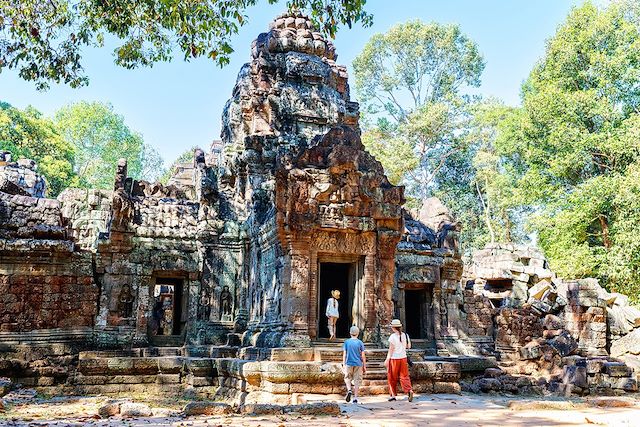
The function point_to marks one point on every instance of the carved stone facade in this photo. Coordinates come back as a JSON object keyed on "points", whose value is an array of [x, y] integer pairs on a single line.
{"points": [[218, 281]]}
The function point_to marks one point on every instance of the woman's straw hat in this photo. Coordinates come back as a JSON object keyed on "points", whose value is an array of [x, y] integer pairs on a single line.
{"points": [[335, 293], [396, 323]]}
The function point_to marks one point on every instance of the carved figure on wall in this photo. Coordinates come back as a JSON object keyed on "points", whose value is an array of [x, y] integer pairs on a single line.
{"points": [[204, 308], [444, 315], [226, 301], [125, 301], [123, 208]]}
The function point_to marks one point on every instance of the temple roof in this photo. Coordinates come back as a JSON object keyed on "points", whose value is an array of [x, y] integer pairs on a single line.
{"points": [[294, 31]]}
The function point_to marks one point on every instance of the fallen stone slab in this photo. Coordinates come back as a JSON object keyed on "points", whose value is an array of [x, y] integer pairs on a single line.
{"points": [[319, 408], [535, 405], [612, 402], [207, 408], [629, 343], [261, 409], [110, 409], [134, 410]]}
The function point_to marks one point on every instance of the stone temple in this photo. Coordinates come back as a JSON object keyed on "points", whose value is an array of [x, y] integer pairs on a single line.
{"points": [[215, 284]]}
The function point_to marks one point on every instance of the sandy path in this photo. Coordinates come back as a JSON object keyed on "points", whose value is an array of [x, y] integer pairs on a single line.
{"points": [[428, 410]]}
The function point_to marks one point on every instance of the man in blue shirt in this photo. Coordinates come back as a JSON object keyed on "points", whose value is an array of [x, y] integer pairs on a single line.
{"points": [[354, 362]]}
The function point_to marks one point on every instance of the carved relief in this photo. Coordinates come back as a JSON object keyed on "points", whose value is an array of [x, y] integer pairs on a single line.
{"points": [[226, 304], [125, 301]]}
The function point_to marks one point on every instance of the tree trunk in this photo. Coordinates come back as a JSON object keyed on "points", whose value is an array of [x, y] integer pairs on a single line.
{"points": [[604, 225], [487, 214]]}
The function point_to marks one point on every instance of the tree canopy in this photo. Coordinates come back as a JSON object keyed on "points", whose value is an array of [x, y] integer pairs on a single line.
{"points": [[100, 137], [412, 82], [575, 147], [44, 40], [27, 134]]}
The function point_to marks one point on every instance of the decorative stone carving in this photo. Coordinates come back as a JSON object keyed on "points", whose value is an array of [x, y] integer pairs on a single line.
{"points": [[204, 307], [125, 301], [226, 303]]}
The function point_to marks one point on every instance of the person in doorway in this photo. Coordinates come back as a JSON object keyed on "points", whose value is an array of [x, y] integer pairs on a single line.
{"points": [[332, 313], [396, 361], [354, 362]]}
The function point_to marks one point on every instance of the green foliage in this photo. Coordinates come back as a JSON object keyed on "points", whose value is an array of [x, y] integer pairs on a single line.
{"points": [[575, 147], [44, 40], [100, 137], [26, 134], [411, 83], [415, 64]]}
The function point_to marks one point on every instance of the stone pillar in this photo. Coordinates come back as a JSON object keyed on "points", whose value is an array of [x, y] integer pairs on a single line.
{"points": [[385, 278], [295, 295]]}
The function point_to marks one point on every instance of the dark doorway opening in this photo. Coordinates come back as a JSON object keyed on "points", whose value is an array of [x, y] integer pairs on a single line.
{"points": [[418, 313], [340, 276], [167, 317]]}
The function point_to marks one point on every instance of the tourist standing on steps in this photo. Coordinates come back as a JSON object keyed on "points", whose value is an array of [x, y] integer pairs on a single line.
{"points": [[396, 361], [354, 363], [332, 313]]}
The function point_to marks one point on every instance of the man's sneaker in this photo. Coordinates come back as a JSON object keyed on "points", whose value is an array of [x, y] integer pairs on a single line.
{"points": [[348, 396], [410, 395], [391, 399], [355, 401]]}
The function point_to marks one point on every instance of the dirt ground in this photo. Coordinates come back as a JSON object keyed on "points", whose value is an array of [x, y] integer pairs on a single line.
{"points": [[431, 410]]}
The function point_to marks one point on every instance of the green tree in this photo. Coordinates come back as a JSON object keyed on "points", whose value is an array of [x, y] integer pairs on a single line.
{"points": [[44, 40], [494, 178], [27, 134], [412, 82], [575, 147], [100, 137]]}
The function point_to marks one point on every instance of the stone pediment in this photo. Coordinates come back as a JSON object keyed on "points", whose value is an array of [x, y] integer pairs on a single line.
{"points": [[335, 183]]}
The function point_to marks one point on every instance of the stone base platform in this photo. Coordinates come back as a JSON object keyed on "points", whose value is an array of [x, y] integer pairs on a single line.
{"points": [[275, 375]]}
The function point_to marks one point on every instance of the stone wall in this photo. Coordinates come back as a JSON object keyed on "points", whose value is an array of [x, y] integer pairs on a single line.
{"points": [[21, 176], [44, 284]]}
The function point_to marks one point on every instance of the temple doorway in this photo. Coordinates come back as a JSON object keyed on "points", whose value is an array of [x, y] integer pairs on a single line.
{"points": [[418, 315], [167, 313], [340, 276]]}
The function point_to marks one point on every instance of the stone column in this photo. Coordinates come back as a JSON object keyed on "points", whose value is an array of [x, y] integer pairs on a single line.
{"points": [[295, 295]]}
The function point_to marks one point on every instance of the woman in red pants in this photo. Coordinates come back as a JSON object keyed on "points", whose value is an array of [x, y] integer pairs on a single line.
{"points": [[396, 361]]}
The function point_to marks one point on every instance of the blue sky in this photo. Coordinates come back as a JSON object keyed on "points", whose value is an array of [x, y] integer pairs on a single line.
{"points": [[178, 105]]}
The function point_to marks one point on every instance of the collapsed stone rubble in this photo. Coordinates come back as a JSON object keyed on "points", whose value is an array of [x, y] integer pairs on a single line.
{"points": [[213, 285], [570, 334]]}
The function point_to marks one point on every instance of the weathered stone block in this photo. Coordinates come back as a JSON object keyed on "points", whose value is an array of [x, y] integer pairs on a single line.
{"points": [[616, 369], [629, 343], [489, 384], [134, 410], [170, 365], [261, 409], [110, 409], [319, 408], [207, 408], [168, 378], [446, 387]]}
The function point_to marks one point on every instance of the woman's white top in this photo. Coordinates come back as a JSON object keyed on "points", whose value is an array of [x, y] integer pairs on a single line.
{"points": [[332, 308], [399, 345]]}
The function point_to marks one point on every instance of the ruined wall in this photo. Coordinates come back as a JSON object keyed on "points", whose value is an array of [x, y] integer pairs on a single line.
{"points": [[43, 283], [21, 177]]}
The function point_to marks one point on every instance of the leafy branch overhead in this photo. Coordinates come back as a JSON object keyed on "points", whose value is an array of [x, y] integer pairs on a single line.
{"points": [[44, 40]]}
